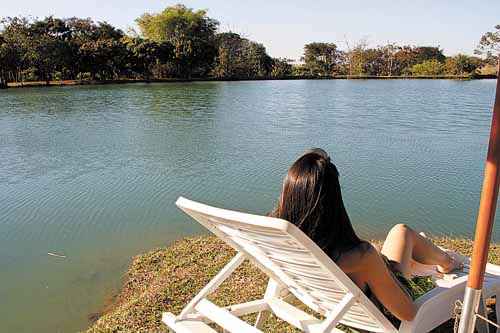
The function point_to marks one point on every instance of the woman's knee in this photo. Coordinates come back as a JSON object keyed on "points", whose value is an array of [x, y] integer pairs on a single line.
{"points": [[401, 233], [401, 228]]}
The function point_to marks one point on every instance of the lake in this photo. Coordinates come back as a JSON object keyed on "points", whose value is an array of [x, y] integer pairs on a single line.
{"points": [[92, 172]]}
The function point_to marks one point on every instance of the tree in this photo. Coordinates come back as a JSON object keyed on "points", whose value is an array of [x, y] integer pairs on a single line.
{"points": [[6, 62], [143, 55], [428, 67], [103, 58], [322, 58], [281, 67], [82, 32], [49, 50], [387, 60], [9, 61], [100, 49], [228, 59], [16, 44], [374, 62], [489, 46], [190, 32], [259, 62], [461, 64], [353, 59], [299, 70], [64, 48], [423, 53], [404, 59], [239, 57], [388, 55]]}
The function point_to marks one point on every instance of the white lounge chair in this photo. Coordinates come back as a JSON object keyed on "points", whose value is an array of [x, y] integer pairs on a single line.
{"points": [[296, 265]]}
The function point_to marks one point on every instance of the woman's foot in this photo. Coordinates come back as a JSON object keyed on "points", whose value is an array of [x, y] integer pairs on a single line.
{"points": [[454, 264]]}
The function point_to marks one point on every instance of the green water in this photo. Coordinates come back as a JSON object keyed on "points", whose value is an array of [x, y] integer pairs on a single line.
{"points": [[93, 172]]}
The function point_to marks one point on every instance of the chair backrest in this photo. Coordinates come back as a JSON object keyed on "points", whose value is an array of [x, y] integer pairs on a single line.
{"points": [[292, 259]]}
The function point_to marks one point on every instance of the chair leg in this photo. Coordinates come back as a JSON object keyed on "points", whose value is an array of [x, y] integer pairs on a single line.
{"points": [[261, 319], [497, 308], [481, 325], [272, 290]]}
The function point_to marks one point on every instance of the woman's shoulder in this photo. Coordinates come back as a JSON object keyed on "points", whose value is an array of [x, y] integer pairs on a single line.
{"points": [[364, 248], [358, 257]]}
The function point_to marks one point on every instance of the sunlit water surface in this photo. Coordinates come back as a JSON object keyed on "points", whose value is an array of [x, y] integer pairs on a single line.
{"points": [[93, 172]]}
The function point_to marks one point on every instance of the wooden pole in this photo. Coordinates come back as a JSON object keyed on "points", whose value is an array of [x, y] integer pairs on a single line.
{"points": [[487, 205], [485, 220]]}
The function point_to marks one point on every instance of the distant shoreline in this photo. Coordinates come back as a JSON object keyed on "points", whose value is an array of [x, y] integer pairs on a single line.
{"points": [[58, 83]]}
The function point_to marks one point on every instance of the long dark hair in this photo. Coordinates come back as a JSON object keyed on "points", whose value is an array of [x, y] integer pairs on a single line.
{"points": [[312, 200]]}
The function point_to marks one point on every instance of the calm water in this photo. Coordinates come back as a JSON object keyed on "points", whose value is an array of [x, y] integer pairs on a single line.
{"points": [[93, 172]]}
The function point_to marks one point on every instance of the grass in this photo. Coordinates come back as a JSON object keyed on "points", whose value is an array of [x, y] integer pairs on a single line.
{"points": [[166, 279]]}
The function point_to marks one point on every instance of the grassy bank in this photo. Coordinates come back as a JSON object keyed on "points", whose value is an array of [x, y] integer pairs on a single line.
{"points": [[166, 279], [56, 83]]}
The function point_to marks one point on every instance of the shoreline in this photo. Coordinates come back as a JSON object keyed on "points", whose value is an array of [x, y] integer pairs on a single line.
{"points": [[59, 83], [165, 279]]}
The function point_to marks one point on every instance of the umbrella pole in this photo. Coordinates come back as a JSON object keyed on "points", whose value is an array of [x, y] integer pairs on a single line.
{"points": [[484, 224]]}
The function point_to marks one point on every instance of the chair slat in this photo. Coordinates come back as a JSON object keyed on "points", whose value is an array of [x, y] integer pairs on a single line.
{"points": [[242, 226], [284, 256], [288, 262], [269, 245], [224, 318], [268, 238], [186, 326], [313, 275]]}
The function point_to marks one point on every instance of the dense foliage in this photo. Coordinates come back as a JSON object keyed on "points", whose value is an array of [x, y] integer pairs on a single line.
{"points": [[323, 58], [239, 57], [327, 59], [191, 33], [74, 49], [180, 42]]}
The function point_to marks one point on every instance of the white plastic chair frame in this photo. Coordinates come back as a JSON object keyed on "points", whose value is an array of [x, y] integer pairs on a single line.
{"points": [[296, 265]]}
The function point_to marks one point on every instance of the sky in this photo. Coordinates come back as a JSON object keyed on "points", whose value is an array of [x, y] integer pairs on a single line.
{"points": [[285, 26]]}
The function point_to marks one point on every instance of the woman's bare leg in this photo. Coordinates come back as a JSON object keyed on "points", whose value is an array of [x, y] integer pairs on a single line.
{"points": [[403, 244]]}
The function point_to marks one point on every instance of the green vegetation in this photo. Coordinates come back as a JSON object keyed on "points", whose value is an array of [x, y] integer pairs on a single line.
{"points": [[326, 59], [182, 43], [239, 57], [428, 67], [166, 279], [323, 59], [178, 42], [191, 34], [489, 46]]}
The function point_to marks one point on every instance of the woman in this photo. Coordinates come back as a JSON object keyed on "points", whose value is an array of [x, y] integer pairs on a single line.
{"points": [[311, 199]]}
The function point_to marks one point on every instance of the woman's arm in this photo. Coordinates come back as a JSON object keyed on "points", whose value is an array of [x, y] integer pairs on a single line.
{"points": [[386, 287]]}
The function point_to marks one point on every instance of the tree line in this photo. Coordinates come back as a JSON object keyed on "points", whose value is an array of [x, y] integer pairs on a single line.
{"points": [[386, 60], [180, 42]]}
